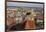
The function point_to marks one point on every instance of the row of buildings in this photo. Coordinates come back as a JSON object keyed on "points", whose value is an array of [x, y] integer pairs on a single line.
{"points": [[17, 14]]}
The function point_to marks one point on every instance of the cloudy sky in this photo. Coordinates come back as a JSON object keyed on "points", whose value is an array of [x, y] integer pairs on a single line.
{"points": [[24, 4]]}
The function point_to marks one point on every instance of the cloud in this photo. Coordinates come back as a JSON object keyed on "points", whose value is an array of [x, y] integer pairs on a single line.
{"points": [[24, 4]]}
